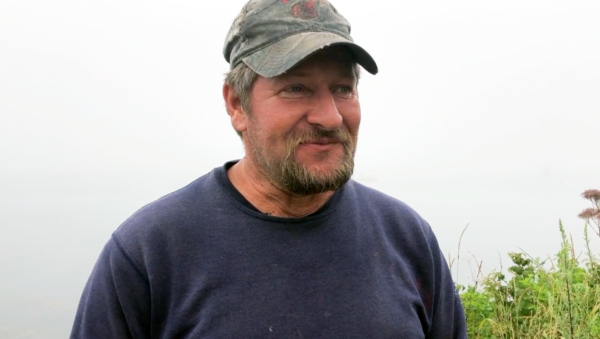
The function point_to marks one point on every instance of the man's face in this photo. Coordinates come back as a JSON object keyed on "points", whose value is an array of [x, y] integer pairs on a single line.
{"points": [[303, 126]]}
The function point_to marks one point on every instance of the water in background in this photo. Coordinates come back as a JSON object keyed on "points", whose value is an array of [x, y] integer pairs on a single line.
{"points": [[54, 226]]}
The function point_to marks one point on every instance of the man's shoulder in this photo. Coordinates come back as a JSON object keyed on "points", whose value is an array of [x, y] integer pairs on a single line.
{"points": [[391, 214], [169, 213], [382, 202]]}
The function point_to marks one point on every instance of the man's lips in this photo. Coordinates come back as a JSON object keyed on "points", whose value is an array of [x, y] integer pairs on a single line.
{"points": [[321, 145], [322, 141]]}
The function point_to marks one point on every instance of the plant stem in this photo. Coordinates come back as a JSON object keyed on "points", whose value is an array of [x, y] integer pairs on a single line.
{"points": [[569, 306], [458, 254]]}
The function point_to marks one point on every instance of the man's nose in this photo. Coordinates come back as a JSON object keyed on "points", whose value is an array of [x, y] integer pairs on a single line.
{"points": [[325, 112]]}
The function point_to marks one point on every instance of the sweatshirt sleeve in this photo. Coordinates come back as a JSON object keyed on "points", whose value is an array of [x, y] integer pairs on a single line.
{"points": [[116, 299], [448, 320]]}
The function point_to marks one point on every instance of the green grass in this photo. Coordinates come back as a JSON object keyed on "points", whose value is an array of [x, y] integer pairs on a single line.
{"points": [[558, 297]]}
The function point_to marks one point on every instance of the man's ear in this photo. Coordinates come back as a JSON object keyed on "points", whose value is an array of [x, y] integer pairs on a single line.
{"points": [[239, 119]]}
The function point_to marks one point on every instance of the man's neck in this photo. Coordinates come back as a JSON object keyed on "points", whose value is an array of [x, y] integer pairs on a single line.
{"points": [[268, 198]]}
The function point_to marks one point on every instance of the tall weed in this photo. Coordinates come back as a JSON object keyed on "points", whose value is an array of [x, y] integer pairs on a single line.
{"points": [[558, 297]]}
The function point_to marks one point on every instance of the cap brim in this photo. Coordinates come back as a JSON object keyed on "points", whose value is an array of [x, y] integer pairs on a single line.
{"points": [[279, 57]]}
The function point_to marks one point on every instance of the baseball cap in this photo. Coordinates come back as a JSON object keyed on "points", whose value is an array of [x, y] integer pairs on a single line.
{"points": [[271, 36]]}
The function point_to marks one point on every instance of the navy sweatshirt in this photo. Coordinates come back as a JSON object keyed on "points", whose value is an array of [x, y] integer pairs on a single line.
{"points": [[203, 263]]}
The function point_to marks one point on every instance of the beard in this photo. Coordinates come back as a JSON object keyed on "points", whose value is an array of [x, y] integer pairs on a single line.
{"points": [[295, 178]]}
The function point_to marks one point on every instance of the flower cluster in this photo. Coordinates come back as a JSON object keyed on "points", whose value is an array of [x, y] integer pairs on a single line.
{"points": [[593, 195], [592, 214], [589, 213]]}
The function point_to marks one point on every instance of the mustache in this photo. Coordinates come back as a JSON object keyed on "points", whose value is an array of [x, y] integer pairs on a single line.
{"points": [[338, 135]]}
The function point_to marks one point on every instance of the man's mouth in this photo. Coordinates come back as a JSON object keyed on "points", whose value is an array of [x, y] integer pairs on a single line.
{"points": [[322, 141]]}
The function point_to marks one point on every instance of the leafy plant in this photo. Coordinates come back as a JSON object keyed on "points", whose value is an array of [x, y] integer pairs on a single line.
{"points": [[555, 298]]}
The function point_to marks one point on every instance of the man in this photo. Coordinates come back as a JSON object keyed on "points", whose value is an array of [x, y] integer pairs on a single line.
{"points": [[281, 244]]}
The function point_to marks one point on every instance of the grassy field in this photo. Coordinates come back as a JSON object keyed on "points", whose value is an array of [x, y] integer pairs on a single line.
{"points": [[557, 297]]}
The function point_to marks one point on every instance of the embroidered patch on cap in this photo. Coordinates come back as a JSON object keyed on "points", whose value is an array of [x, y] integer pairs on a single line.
{"points": [[306, 9]]}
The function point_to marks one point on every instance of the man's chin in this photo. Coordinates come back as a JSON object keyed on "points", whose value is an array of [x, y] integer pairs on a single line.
{"points": [[315, 154], [322, 162], [316, 186], [318, 178]]}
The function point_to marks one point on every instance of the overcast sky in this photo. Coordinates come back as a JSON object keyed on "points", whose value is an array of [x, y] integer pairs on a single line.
{"points": [[473, 86], [479, 92]]}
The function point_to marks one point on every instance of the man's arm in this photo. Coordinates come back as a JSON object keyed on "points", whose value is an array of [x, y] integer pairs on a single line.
{"points": [[116, 299], [448, 315]]}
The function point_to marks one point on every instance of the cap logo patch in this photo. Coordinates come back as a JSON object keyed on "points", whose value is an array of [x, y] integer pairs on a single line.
{"points": [[306, 9]]}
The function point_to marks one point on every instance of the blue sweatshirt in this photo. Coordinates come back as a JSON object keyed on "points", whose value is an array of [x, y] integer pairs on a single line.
{"points": [[202, 262]]}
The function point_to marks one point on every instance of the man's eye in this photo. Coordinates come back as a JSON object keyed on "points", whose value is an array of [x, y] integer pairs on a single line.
{"points": [[295, 89], [344, 90]]}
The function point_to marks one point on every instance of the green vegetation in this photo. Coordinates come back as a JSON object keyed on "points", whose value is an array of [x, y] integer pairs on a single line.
{"points": [[558, 297]]}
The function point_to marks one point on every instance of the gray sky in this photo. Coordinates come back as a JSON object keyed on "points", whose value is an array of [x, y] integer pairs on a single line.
{"points": [[483, 112], [468, 87]]}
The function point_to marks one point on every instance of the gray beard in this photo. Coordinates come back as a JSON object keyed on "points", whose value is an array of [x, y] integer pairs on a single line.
{"points": [[294, 178]]}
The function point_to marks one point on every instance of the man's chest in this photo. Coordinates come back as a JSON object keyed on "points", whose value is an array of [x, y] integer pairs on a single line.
{"points": [[253, 294]]}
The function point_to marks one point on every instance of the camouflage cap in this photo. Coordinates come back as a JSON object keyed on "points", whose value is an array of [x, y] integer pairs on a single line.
{"points": [[271, 36]]}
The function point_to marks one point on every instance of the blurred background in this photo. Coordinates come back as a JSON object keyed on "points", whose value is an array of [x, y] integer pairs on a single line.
{"points": [[483, 113]]}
